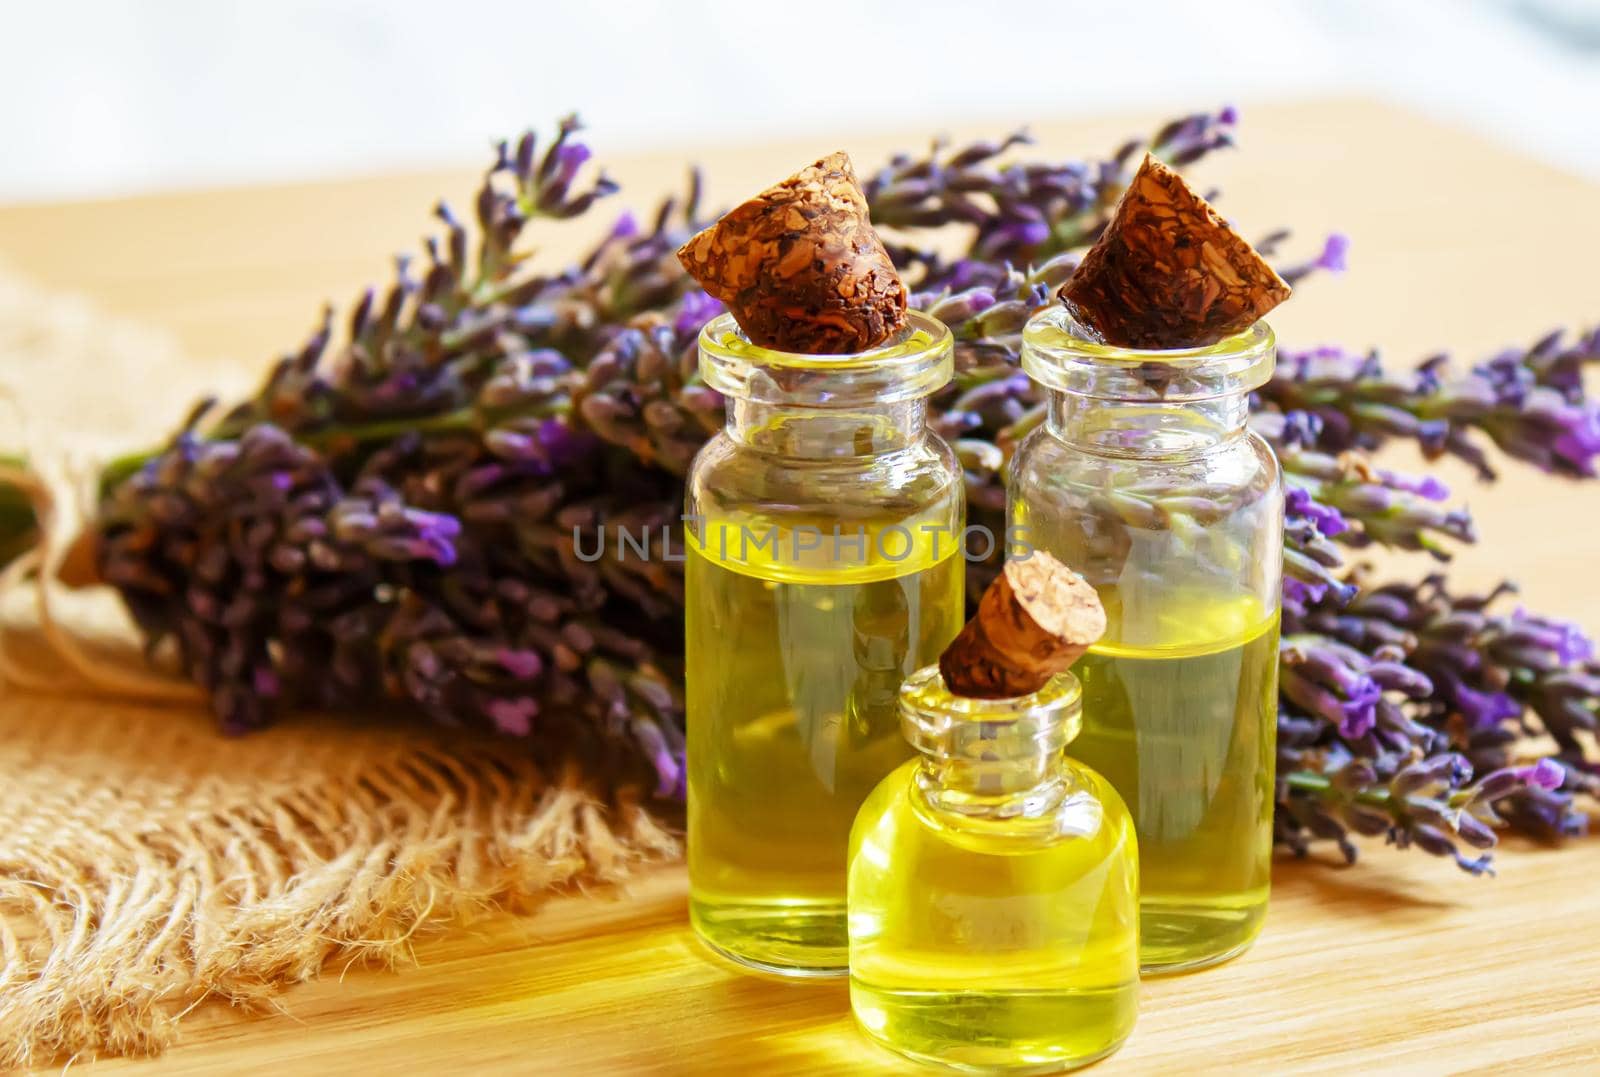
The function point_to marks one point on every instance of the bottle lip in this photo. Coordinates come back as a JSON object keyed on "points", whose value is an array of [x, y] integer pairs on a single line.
{"points": [[916, 363], [1060, 353], [936, 721]]}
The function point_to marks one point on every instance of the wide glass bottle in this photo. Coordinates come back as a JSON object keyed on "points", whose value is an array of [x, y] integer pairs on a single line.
{"points": [[822, 567], [1145, 479], [994, 912]]}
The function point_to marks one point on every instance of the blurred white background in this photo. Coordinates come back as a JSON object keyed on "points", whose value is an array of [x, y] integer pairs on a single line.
{"points": [[110, 98]]}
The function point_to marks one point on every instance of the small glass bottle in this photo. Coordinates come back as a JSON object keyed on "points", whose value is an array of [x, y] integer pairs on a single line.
{"points": [[1145, 479], [822, 568], [994, 921]]}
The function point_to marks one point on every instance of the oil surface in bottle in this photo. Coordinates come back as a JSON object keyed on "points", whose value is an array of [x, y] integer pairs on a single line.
{"points": [[995, 944], [1185, 727], [794, 666]]}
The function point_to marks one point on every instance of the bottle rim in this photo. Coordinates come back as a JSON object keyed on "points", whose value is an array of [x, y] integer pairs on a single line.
{"points": [[939, 723], [916, 363], [1062, 354]]}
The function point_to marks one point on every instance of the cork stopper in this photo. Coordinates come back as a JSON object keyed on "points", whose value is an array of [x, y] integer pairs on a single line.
{"points": [[1168, 272], [800, 267], [1035, 620]]}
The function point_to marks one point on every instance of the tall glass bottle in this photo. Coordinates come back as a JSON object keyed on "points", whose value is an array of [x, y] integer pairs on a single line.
{"points": [[822, 532], [994, 916], [1145, 479]]}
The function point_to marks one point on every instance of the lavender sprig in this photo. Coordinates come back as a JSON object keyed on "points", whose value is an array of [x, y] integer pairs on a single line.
{"points": [[1530, 404], [1428, 804]]}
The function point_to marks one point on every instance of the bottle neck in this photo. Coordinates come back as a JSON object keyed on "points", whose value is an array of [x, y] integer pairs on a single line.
{"points": [[991, 758], [817, 432], [1146, 427], [1117, 401], [1002, 788], [828, 406]]}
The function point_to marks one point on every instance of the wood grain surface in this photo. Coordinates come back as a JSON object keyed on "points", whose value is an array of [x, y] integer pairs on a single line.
{"points": [[1397, 964]]}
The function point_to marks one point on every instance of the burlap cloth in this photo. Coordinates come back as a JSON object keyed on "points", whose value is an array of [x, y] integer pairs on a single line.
{"points": [[148, 863]]}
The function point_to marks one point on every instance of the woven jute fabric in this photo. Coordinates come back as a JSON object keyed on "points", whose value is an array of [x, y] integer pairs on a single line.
{"points": [[148, 863]]}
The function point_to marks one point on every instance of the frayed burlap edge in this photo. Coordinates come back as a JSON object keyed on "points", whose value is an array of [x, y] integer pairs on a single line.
{"points": [[148, 864], [134, 884]]}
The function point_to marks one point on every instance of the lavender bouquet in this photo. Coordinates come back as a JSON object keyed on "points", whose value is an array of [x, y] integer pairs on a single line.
{"points": [[398, 517]]}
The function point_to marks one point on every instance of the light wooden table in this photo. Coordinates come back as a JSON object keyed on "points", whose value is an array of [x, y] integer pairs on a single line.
{"points": [[1398, 963]]}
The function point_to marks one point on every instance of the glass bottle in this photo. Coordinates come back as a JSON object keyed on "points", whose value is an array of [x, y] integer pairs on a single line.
{"points": [[994, 912], [822, 567], [1145, 479]]}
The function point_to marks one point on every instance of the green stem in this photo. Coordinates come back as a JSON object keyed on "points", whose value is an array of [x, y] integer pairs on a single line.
{"points": [[1320, 785], [387, 429], [17, 522]]}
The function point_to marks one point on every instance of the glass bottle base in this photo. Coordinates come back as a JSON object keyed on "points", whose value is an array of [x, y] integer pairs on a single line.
{"points": [[1013, 1032], [797, 939], [1177, 937]]}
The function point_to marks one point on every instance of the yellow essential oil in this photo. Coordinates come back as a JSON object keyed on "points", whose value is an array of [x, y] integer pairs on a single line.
{"points": [[994, 890], [794, 671], [1147, 480], [1185, 728], [823, 529]]}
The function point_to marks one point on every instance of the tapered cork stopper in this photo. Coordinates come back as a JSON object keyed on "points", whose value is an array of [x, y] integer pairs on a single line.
{"points": [[800, 267], [1168, 272], [1035, 620]]}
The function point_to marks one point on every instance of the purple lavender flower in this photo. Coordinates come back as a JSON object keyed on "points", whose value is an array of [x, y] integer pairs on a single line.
{"points": [[1321, 678], [1546, 774], [513, 717], [520, 663], [1361, 713], [1428, 487], [563, 445], [696, 309], [671, 772], [1335, 253], [569, 157], [959, 308], [966, 272], [1481, 709], [1565, 640], [1186, 140], [1023, 231], [1577, 444], [266, 682], [1299, 502], [626, 226]]}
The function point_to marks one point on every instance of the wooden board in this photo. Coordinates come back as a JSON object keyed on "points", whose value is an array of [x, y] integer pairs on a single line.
{"points": [[1398, 963]]}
